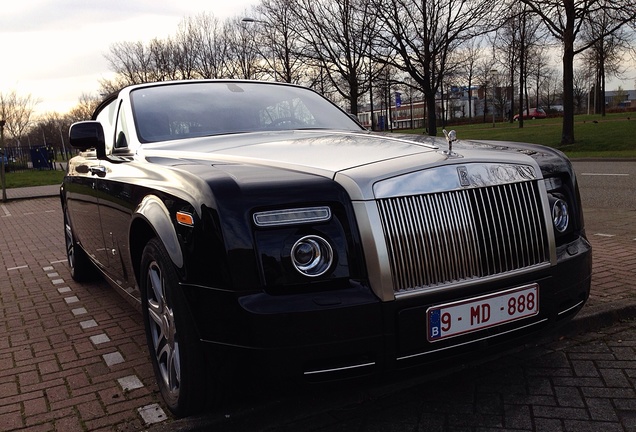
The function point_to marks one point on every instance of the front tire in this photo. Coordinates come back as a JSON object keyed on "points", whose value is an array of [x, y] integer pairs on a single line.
{"points": [[174, 347]]}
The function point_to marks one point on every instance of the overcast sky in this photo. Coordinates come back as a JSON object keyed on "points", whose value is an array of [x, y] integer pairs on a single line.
{"points": [[54, 49]]}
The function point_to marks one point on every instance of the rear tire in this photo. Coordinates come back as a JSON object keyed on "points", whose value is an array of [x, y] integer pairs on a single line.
{"points": [[175, 348], [82, 269]]}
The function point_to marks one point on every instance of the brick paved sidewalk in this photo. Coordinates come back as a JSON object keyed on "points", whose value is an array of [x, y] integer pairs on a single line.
{"points": [[613, 238], [72, 357], [33, 192], [584, 383]]}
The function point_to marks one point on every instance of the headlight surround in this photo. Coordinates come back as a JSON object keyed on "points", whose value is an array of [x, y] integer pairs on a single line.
{"points": [[560, 214], [312, 256]]}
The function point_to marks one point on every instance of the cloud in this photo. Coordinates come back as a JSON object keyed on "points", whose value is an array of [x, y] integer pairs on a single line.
{"points": [[54, 49]]}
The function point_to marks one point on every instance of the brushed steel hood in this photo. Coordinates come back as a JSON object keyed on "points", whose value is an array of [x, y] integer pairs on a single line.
{"points": [[357, 160], [318, 152]]}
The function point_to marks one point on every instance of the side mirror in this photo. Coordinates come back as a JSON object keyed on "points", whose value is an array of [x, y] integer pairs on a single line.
{"points": [[86, 135]]}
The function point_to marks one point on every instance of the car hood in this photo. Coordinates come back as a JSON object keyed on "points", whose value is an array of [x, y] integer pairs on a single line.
{"points": [[322, 152], [357, 160]]}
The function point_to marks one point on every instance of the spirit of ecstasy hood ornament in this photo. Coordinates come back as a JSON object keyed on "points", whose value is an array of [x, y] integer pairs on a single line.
{"points": [[451, 137]]}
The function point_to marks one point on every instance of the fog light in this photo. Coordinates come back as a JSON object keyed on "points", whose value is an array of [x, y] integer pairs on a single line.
{"points": [[312, 256], [560, 215]]}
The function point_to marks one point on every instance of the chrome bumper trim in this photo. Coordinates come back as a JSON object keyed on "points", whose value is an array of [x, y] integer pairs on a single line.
{"points": [[571, 308], [471, 341], [339, 369]]}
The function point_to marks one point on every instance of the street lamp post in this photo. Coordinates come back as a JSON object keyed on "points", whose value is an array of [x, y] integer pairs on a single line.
{"points": [[493, 72], [266, 24], [4, 188]]}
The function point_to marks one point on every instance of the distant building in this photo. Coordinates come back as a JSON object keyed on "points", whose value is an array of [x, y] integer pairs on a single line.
{"points": [[450, 106], [620, 99]]}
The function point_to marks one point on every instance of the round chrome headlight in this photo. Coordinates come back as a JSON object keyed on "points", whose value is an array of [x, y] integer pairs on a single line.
{"points": [[560, 215], [312, 255]]}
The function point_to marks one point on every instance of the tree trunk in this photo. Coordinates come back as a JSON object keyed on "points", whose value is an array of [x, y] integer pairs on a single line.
{"points": [[431, 118], [353, 96], [567, 134]]}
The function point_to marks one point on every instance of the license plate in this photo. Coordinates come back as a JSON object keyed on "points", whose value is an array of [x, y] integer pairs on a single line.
{"points": [[457, 318]]}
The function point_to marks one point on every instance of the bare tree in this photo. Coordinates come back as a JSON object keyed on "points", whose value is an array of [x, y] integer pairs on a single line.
{"points": [[564, 19], [53, 127], [17, 111], [517, 41], [199, 49], [131, 61], [278, 30], [209, 46], [484, 79], [423, 33], [508, 44], [164, 60], [339, 35], [583, 81], [538, 72], [242, 51], [86, 105], [604, 56], [550, 89], [111, 85], [468, 57]]}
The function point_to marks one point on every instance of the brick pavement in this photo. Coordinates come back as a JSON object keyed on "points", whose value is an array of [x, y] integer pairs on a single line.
{"points": [[613, 237], [580, 383], [62, 346], [72, 356]]}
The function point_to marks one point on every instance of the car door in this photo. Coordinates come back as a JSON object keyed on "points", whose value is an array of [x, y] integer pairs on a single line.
{"points": [[82, 190], [116, 206]]}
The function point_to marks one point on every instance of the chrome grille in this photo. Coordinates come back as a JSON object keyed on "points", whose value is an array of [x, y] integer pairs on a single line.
{"points": [[449, 237]]}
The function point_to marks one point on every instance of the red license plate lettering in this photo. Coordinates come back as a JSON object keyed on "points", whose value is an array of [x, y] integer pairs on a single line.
{"points": [[456, 318]]}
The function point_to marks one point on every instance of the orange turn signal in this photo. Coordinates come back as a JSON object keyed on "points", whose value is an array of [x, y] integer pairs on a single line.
{"points": [[185, 218]]}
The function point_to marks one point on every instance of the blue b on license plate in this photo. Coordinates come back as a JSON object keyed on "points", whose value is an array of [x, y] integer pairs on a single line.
{"points": [[461, 317]]}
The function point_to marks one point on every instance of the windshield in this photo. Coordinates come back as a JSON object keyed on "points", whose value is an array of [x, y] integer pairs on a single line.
{"points": [[182, 110]]}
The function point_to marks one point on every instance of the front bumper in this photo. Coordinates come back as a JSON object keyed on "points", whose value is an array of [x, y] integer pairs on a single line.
{"points": [[350, 332]]}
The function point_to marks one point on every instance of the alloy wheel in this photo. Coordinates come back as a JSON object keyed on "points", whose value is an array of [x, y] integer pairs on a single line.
{"points": [[163, 330]]}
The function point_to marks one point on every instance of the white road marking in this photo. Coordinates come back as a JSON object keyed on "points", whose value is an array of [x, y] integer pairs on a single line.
{"points": [[6, 211], [17, 268], [605, 235], [605, 174]]}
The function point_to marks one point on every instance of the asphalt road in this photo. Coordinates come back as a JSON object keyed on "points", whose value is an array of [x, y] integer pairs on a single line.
{"points": [[608, 193], [607, 184]]}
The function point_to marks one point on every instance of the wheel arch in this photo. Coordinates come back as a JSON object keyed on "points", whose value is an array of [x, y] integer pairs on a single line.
{"points": [[152, 219]]}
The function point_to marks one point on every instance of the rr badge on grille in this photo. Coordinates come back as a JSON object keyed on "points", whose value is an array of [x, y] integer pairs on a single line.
{"points": [[464, 180]]}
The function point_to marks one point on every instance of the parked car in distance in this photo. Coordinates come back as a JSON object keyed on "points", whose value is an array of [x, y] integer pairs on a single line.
{"points": [[263, 232], [532, 113]]}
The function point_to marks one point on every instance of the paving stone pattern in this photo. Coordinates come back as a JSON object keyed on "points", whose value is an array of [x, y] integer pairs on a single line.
{"points": [[613, 237], [72, 356], [581, 383]]}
